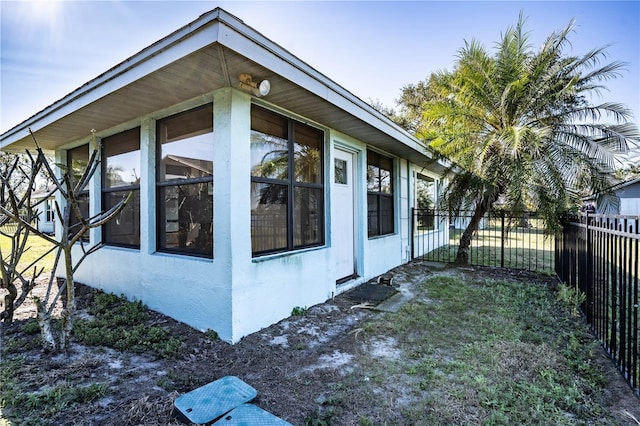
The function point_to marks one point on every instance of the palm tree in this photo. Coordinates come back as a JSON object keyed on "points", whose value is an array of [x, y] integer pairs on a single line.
{"points": [[521, 125]]}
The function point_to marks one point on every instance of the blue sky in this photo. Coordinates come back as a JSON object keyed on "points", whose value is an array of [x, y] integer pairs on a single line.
{"points": [[49, 48]]}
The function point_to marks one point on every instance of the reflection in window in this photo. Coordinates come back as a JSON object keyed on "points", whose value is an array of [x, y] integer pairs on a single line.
{"points": [[77, 161], [185, 182], [340, 171], [121, 164], [287, 192], [425, 202], [380, 219]]}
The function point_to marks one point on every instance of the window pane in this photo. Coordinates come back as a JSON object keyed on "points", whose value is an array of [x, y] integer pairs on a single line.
{"points": [[269, 144], [385, 163], [124, 229], [379, 197], [373, 178], [386, 214], [385, 181], [74, 220], [269, 156], [307, 216], [373, 227], [307, 154], [373, 158], [269, 123], [122, 159], [77, 161], [185, 218], [340, 171], [186, 145], [268, 217]]}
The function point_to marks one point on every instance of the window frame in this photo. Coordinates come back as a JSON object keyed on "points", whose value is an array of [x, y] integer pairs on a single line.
{"points": [[106, 191], [375, 159], [162, 185], [292, 183]]}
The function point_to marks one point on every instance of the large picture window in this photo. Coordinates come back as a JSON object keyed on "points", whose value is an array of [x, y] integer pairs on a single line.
{"points": [[379, 194], [120, 168], [77, 162], [287, 191], [185, 182]]}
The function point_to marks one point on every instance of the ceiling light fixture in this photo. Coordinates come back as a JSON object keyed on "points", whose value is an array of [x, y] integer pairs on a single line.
{"points": [[247, 84]]}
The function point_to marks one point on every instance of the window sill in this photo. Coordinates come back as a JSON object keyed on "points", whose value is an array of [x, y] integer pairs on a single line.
{"points": [[377, 237], [268, 257], [117, 247], [183, 256]]}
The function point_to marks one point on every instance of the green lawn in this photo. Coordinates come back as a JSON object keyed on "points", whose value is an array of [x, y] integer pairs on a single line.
{"points": [[37, 247], [522, 248], [484, 351]]}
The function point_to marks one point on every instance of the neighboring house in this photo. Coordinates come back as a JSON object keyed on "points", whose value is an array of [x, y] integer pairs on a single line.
{"points": [[628, 195], [624, 200], [247, 202], [45, 211]]}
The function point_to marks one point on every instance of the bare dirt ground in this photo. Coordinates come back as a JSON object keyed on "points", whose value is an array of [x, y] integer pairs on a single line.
{"points": [[295, 365]]}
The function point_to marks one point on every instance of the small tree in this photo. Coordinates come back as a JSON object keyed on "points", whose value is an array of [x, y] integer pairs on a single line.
{"points": [[16, 176], [73, 226]]}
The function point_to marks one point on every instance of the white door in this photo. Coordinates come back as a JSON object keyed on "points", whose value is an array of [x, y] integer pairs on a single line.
{"points": [[343, 209]]}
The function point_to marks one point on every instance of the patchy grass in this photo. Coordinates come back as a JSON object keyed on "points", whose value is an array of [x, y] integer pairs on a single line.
{"points": [[37, 247], [486, 352], [52, 395], [476, 346], [32, 392], [524, 248]]}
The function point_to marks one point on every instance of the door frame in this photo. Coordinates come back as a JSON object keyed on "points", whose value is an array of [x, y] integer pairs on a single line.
{"points": [[357, 210]]}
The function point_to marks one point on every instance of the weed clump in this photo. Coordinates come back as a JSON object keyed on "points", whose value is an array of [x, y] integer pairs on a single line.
{"points": [[121, 324]]}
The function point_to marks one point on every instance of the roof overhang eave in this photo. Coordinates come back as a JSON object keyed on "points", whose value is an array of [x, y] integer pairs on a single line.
{"points": [[224, 29]]}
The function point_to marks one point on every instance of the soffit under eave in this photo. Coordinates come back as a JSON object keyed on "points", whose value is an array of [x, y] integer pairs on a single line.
{"points": [[191, 76]]}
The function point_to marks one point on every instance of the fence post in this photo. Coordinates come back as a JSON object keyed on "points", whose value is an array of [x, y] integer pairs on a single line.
{"points": [[413, 227], [588, 310], [502, 239]]}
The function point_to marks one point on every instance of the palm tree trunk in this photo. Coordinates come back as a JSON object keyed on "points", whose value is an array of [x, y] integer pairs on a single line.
{"points": [[482, 207]]}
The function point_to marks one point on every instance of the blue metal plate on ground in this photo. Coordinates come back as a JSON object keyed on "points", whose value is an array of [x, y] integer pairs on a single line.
{"points": [[250, 415], [211, 401]]}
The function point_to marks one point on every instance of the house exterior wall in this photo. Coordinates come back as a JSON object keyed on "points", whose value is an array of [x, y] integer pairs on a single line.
{"points": [[234, 293], [630, 206], [44, 225], [631, 191], [630, 200]]}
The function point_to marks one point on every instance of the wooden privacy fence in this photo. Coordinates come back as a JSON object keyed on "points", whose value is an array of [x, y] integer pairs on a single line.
{"points": [[503, 239], [598, 255]]}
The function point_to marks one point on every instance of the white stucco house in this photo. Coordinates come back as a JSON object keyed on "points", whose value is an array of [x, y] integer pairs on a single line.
{"points": [[249, 198], [45, 211]]}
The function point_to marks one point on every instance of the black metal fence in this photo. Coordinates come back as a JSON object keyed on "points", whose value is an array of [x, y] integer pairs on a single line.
{"points": [[503, 239], [598, 255]]}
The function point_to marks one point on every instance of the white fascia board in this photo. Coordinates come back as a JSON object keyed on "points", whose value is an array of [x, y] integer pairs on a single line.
{"points": [[256, 47], [191, 38]]}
